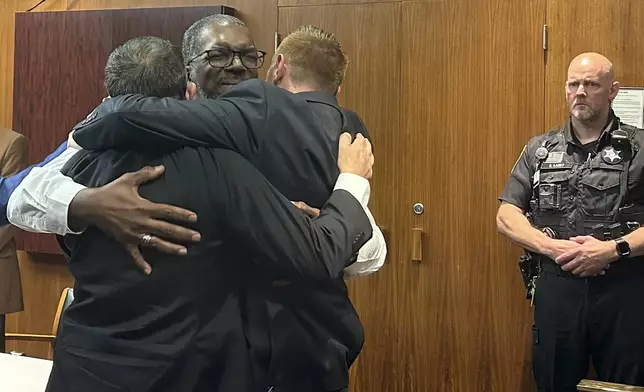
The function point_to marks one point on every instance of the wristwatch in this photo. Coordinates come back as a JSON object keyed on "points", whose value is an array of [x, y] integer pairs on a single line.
{"points": [[622, 247]]}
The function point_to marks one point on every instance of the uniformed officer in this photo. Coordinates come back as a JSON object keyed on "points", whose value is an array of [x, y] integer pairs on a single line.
{"points": [[582, 188]]}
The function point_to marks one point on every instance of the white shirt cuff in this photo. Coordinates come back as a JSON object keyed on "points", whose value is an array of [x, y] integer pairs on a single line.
{"points": [[64, 195], [356, 185]]}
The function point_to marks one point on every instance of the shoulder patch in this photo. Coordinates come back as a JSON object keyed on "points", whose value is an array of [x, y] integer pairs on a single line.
{"points": [[520, 155]]}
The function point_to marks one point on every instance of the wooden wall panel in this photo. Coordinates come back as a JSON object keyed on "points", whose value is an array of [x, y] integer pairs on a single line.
{"points": [[473, 78], [43, 279], [6, 61], [259, 15], [372, 89], [299, 3], [7, 9], [615, 29], [46, 64], [471, 93]]}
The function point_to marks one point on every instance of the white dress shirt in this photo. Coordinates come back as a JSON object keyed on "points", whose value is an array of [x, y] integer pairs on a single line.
{"points": [[372, 254], [41, 202]]}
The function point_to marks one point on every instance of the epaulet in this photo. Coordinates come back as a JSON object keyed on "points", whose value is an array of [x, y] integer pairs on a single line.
{"points": [[554, 136], [632, 133], [553, 132], [557, 131], [631, 130]]}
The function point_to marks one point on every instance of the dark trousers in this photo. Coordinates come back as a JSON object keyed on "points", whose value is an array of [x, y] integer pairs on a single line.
{"points": [[196, 370], [579, 320], [3, 346]]}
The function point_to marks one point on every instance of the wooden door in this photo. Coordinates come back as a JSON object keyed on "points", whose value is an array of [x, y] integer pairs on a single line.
{"points": [[450, 91], [473, 74], [613, 28], [370, 34]]}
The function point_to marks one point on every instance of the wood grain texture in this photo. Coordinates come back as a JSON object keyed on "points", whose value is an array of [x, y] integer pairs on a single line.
{"points": [[456, 320], [599, 386], [259, 15], [7, 10], [41, 286], [299, 3], [372, 89], [43, 279], [473, 79], [60, 56], [615, 29]]}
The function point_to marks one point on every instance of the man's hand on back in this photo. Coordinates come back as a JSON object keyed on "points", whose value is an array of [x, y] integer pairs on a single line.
{"points": [[311, 212], [119, 211], [355, 157]]}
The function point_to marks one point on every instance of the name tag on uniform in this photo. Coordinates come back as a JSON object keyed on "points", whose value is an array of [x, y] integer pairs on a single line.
{"points": [[554, 157], [564, 165]]}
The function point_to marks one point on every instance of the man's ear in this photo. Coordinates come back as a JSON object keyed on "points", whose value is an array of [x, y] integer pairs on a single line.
{"points": [[337, 91], [614, 90], [280, 69], [191, 91]]}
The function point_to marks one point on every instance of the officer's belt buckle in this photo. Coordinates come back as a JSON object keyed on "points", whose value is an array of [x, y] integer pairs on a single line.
{"points": [[633, 225]]}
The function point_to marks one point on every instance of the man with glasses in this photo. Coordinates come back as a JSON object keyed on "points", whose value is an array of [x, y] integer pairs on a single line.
{"points": [[219, 53], [302, 336], [582, 188]]}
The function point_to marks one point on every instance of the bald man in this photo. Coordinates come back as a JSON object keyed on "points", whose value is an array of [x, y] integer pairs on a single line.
{"points": [[574, 201]]}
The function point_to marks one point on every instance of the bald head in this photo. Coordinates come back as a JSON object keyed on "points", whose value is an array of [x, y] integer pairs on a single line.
{"points": [[590, 88], [592, 63]]}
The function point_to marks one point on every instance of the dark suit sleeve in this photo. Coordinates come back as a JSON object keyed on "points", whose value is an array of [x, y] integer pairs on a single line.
{"points": [[234, 121], [258, 217], [354, 123]]}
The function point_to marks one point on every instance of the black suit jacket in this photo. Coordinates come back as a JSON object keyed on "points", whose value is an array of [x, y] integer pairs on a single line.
{"points": [[291, 138], [312, 334], [182, 328]]}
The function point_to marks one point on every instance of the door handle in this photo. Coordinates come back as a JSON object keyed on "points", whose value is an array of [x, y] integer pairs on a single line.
{"points": [[417, 245]]}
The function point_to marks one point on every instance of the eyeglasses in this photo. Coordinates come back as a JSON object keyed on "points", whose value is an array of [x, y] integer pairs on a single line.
{"points": [[222, 58]]}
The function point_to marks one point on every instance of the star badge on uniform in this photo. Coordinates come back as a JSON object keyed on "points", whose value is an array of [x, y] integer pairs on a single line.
{"points": [[611, 156]]}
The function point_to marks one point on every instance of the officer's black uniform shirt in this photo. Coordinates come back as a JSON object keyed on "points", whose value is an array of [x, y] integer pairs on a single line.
{"points": [[518, 190]]}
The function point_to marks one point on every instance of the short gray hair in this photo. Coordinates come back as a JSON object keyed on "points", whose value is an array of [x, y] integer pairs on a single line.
{"points": [[145, 65], [191, 45]]}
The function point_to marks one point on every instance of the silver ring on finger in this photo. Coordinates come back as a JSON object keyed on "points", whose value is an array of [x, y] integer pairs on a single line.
{"points": [[146, 240]]}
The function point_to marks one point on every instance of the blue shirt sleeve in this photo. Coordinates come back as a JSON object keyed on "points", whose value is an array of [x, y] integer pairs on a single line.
{"points": [[9, 184]]}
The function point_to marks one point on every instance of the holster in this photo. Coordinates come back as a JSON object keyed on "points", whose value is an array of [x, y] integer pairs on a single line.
{"points": [[529, 267]]}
